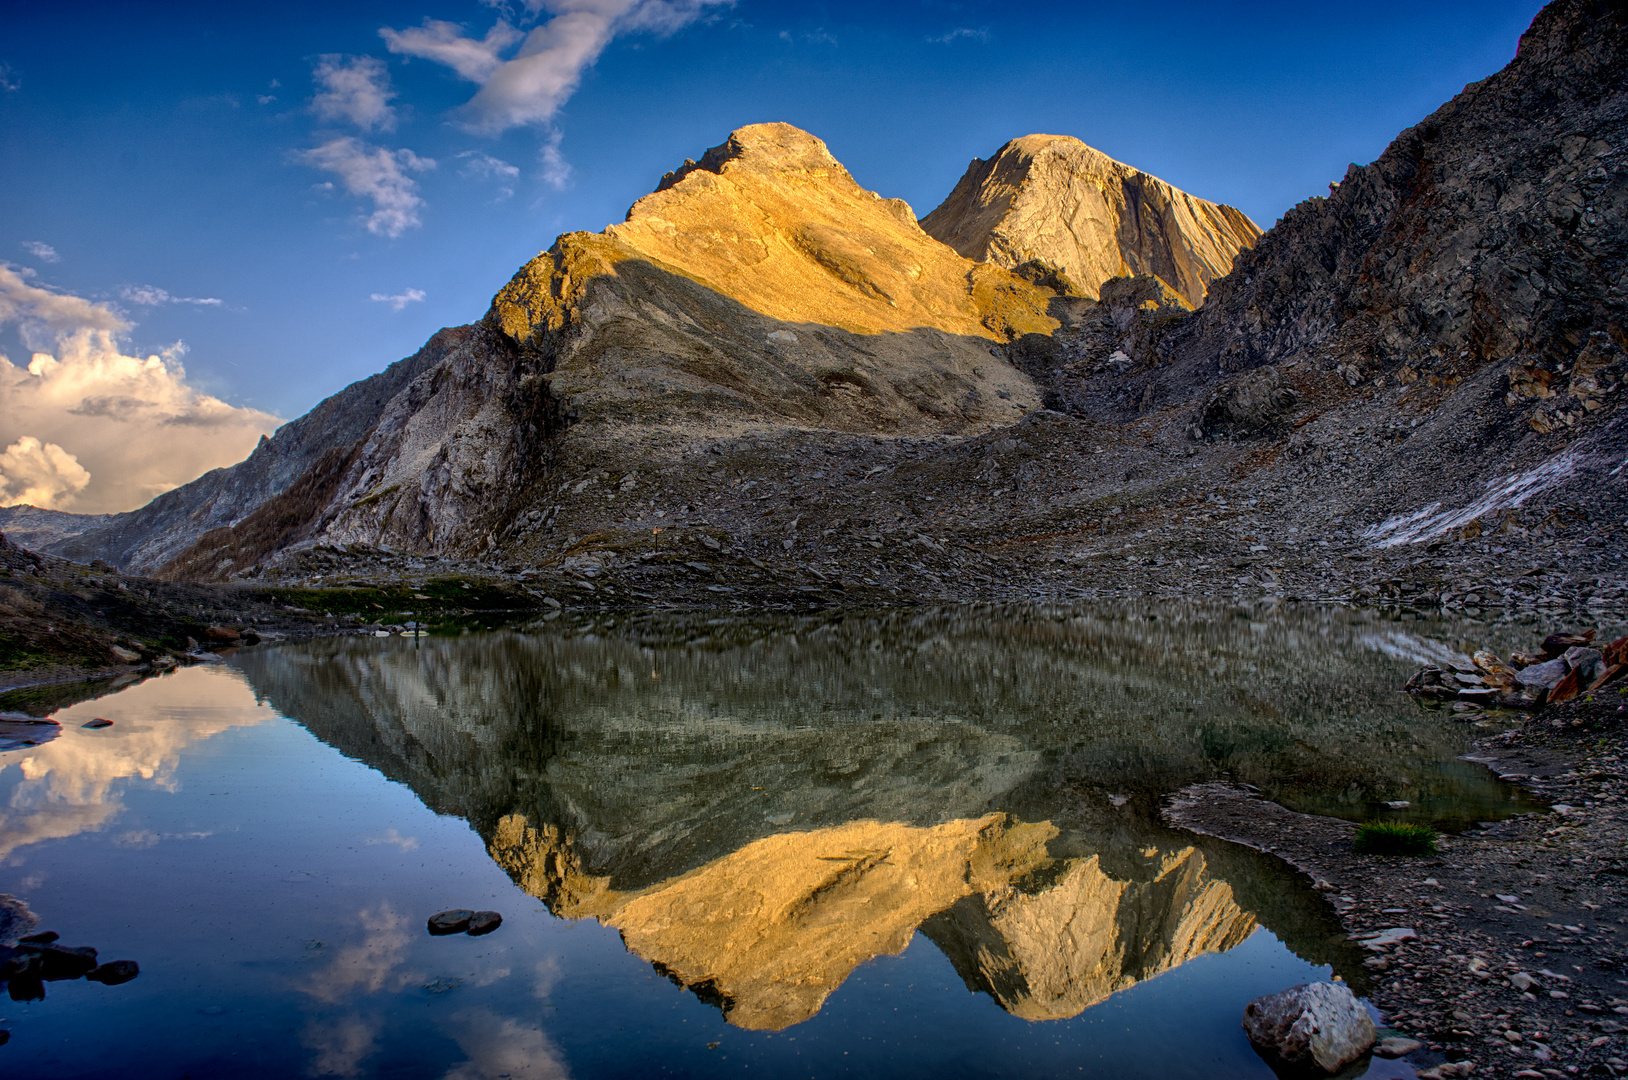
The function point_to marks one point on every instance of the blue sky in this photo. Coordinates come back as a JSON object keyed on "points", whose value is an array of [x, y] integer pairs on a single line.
{"points": [[156, 157]]}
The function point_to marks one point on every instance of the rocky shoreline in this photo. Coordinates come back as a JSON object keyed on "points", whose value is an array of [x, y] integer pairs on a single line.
{"points": [[1506, 952]]}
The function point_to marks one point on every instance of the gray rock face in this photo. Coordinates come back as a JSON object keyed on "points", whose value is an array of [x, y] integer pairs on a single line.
{"points": [[1053, 200], [1489, 233], [143, 540], [1313, 1028]]}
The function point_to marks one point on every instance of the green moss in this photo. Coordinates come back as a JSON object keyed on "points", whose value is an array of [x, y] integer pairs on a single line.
{"points": [[1394, 838], [15, 654]]}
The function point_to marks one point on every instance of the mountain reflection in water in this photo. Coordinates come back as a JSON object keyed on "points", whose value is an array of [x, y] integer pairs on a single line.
{"points": [[761, 805]]}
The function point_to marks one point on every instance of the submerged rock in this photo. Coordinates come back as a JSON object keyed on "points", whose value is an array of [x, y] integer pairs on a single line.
{"points": [[1309, 1029], [484, 922], [455, 921], [114, 972]]}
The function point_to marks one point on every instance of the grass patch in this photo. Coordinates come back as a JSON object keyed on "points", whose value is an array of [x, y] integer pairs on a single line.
{"points": [[1394, 838], [16, 654]]}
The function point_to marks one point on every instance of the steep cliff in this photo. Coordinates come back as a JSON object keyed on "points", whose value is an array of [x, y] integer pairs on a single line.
{"points": [[144, 540], [1056, 202]]}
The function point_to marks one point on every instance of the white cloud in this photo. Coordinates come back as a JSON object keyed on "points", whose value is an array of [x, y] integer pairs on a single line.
{"points": [[486, 167], [530, 87], [444, 43], [960, 32], [265, 99], [133, 426], [378, 174], [41, 312], [556, 170], [42, 251], [399, 300], [356, 89], [152, 296], [9, 79], [40, 474]]}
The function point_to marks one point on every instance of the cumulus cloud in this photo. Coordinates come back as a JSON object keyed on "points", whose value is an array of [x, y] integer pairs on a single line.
{"points": [[87, 426], [529, 87], [42, 251], [42, 312], [486, 167], [355, 89], [153, 296], [399, 300], [40, 474], [377, 174]]}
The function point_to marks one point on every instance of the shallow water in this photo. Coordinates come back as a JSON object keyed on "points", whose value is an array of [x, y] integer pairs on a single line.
{"points": [[924, 843]]}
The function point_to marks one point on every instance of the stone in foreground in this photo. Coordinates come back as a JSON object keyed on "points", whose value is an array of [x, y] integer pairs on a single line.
{"points": [[1309, 1030], [455, 921]]}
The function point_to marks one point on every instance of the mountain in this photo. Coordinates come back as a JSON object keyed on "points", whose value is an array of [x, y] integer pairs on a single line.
{"points": [[145, 539], [1052, 201], [770, 387], [35, 528]]}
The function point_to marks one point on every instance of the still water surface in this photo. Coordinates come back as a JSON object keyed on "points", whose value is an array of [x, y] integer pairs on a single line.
{"points": [[918, 844]]}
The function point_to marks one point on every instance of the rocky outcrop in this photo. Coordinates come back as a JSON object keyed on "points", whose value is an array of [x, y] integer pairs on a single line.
{"points": [[1049, 203], [1489, 234], [143, 540]]}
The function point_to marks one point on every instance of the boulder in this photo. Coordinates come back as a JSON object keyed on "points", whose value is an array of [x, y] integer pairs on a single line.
{"points": [[1547, 674], [1312, 1029]]}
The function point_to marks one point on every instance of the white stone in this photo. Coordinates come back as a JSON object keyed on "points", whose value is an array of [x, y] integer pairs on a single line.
{"points": [[1316, 1024]]}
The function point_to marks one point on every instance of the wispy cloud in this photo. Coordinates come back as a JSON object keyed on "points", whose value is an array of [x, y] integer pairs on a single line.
{"points": [[483, 166], [354, 89], [42, 251], [153, 296], [87, 425], [529, 87], [473, 59], [375, 173], [818, 36], [962, 33], [8, 78], [397, 302]]}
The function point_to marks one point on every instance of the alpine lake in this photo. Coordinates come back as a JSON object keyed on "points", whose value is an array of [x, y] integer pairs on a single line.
{"points": [[921, 843]]}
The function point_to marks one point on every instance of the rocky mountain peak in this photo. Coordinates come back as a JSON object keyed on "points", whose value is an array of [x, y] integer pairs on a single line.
{"points": [[773, 147], [1052, 200]]}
